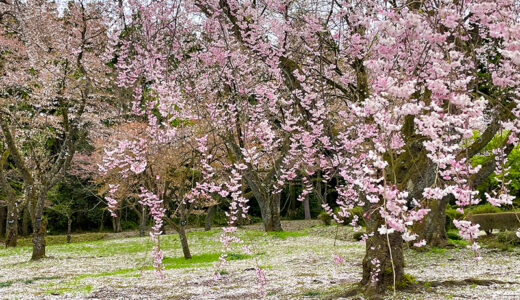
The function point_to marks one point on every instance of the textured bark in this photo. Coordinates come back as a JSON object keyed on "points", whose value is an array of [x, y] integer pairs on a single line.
{"points": [[307, 208], [270, 210], [39, 226], [12, 206], [209, 216], [11, 238], [433, 227], [376, 279]]}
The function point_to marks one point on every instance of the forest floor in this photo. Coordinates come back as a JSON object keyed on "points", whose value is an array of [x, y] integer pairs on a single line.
{"points": [[298, 263]]}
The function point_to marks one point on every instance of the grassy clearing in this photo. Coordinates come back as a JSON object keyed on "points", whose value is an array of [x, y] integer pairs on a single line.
{"points": [[255, 234], [298, 264]]}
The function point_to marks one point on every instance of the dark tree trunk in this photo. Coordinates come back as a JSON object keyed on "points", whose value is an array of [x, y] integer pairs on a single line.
{"points": [[209, 215], [3, 220], [26, 222], [11, 238], [270, 210], [78, 222], [142, 223], [184, 241], [307, 208], [102, 223], [69, 228], [432, 227], [378, 270], [116, 224]]}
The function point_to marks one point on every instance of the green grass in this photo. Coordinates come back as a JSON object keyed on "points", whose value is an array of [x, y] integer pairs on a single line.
{"points": [[311, 294], [196, 261], [26, 281], [460, 243], [252, 234], [97, 244], [84, 289], [438, 250], [62, 239]]}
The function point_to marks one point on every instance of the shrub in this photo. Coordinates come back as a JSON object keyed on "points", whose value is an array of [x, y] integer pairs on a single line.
{"points": [[325, 218], [358, 235], [508, 237], [483, 209], [356, 211], [490, 221], [451, 214], [453, 236], [128, 225]]}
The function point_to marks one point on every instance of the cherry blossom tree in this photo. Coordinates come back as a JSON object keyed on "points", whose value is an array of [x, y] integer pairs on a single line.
{"points": [[49, 99], [160, 175], [386, 96]]}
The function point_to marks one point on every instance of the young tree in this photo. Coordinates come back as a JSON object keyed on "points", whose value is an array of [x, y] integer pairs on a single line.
{"points": [[161, 175]]}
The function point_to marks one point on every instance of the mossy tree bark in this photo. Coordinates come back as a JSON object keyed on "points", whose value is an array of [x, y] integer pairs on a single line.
{"points": [[432, 228], [383, 263], [39, 224], [12, 205], [11, 238], [270, 211]]}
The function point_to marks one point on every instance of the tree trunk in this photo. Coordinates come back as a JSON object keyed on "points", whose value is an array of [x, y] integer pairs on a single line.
{"points": [[116, 224], [270, 210], [184, 241], [433, 227], [12, 226], [39, 227], [209, 215], [69, 228], [78, 222], [378, 270], [307, 207], [102, 223], [3, 220], [142, 223], [26, 222]]}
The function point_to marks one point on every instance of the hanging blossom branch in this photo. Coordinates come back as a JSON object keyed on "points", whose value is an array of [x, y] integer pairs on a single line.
{"points": [[157, 211]]}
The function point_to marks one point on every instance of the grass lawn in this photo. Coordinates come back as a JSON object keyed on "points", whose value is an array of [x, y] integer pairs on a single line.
{"points": [[298, 263]]}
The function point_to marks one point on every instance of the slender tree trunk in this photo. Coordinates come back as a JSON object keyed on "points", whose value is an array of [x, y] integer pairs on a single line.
{"points": [[69, 228], [270, 210], [26, 222], [12, 226], [209, 215], [102, 223], [3, 220], [184, 241], [142, 223], [382, 264], [307, 208], [78, 222], [433, 227], [39, 227]]}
